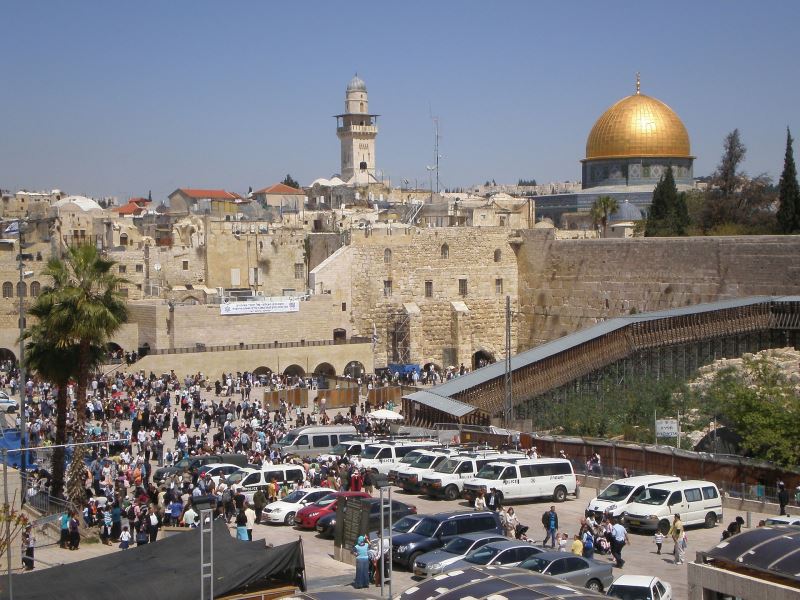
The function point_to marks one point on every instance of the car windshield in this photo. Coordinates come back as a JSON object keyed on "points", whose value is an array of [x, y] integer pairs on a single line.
{"points": [[340, 449], [535, 564], [491, 472], [615, 492], [410, 457], [295, 497], [448, 466], [426, 527], [458, 545], [405, 524], [423, 461], [653, 496], [370, 452], [482, 556], [287, 439], [630, 592]]}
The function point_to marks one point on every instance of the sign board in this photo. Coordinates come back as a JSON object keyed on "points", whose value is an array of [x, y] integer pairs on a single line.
{"points": [[667, 428], [352, 520], [275, 304]]}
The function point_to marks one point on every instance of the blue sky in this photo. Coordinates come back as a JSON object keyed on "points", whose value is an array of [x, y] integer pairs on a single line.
{"points": [[112, 98]]}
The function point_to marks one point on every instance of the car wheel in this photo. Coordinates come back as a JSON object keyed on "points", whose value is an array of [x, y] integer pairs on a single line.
{"points": [[289, 519], [663, 526], [451, 492], [711, 520], [412, 559], [560, 494], [594, 585]]}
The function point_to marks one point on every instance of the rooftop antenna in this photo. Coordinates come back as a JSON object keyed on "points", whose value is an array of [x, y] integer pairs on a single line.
{"points": [[436, 155]]}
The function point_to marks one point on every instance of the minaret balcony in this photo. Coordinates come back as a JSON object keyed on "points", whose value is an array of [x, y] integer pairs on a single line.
{"points": [[363, 129]]}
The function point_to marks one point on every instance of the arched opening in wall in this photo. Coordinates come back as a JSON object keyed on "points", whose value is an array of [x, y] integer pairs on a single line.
{"points": [[325, 369], [123, 239], [113, 350], [144, 350], [387, 256], [7, 359], [354, 369], [481, 358], [498, 255], [264, 374], [8, 290], [22, 289], [445, 251], [190, 300], [339, 336], [294, 371], [36, 288]]}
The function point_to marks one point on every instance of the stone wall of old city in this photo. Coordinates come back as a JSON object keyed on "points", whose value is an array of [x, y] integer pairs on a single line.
{"points": [[567, 285]]}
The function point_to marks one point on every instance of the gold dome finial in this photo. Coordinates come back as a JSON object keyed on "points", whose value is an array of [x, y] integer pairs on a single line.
{"points": [[638, 83]]}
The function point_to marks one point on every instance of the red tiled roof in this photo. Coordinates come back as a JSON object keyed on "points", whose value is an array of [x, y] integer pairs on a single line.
{"points": [[212, 194], [280, 188], [131, 208], [139, 200]]}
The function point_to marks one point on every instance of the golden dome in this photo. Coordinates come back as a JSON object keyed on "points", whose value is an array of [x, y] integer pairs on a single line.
{"points": [[638, 126]]}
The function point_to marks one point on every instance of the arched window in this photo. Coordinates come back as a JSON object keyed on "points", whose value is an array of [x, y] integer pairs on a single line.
{"points": [[387, 256], [36, 288], [8, 290], [445, 251], [497, 255], [22, 289]]}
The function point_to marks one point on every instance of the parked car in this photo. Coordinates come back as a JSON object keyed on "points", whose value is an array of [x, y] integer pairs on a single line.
{"points": [[616, 497], [237, 476], [284, 510], [193, 463], [434, 531], [326, 525], [640, 587], [312, 440], [259, 480], [697, 502], [8, 404], [526, 479], [589, 573], [307, 517], [439, 561], [783, 520], [215, 471], [506, 553], [448, 478]]}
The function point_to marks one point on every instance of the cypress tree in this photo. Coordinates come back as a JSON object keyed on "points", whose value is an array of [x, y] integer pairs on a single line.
{"points": [[788, 192], [661, 219]]}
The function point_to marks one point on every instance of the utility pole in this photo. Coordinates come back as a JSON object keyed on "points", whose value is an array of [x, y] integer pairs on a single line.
{"points": [[7, 509], [23, 417], [509, 403]]}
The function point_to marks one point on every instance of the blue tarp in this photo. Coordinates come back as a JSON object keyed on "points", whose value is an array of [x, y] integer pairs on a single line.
{"points": [[10, 441], [403, 369]]}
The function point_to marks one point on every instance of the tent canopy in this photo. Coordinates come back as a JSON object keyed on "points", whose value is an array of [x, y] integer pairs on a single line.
{"points": [[383, 414], [169, 568]]}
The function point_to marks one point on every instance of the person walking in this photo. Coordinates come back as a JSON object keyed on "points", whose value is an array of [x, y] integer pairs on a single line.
{"points": [[510, 523], [28, 544], [550, 524], [74, 531], [361, 551], [619, 537], [251, 520], [783, 498], [63, 520], [259, 502], [676, 533], [480, 502], [241, 525]]}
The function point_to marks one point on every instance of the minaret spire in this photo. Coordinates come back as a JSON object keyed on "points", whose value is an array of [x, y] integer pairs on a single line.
{"points": [[638, 83]]}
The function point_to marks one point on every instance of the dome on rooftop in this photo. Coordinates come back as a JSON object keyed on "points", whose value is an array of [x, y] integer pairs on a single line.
{"points": [[356, 84], [626, 212]]}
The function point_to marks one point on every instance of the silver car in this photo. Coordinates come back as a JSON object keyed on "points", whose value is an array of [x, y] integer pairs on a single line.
{"points": [[592, 574], [438, 561], [508, 553]]}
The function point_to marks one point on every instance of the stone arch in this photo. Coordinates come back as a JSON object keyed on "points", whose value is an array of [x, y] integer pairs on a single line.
{"points": [[354, 369], [191, 300], [22, 289], [431, 365], [7, 356], [123, 239], [482, 358], [113, 347], [36, 288], [266, 372], [325, 369], [8, 290], [445, 251], [387, 256], [498, 255], [294, 371]]}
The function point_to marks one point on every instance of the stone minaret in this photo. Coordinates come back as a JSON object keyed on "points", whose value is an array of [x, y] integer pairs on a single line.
{"points": [[356, 130]]}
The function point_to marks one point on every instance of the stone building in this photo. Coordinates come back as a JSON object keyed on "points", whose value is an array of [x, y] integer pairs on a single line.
{"points": [[356, 129]]}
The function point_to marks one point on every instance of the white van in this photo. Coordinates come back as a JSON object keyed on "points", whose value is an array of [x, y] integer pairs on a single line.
{"points": [[616, 497], [313, 440], [698, 503], [258, 480], [409, 476], [447, 480], [524, 479], [382, 457]]}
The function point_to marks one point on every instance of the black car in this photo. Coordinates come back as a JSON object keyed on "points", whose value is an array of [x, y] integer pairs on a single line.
{"points": [[434, 531], [327, 524]]}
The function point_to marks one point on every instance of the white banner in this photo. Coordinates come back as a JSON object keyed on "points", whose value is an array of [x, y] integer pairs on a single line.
{"points": [[275, 304], [667, 428]]}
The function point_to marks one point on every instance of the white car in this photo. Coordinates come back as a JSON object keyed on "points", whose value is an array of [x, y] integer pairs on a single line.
{"points": [[283, 511], [216, 470], [8, 404], [640, 587], [783, 520]]}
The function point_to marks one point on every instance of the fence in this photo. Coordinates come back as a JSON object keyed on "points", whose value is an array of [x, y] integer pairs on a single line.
{"points": [[265, 346], [737, 476], [336, 398]]}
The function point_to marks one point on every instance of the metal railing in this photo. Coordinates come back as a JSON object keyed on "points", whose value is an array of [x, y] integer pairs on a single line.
{"points": [[263, 346]]}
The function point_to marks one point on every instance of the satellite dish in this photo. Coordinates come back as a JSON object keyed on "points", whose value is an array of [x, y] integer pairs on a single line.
{"points": [[157, 266]]}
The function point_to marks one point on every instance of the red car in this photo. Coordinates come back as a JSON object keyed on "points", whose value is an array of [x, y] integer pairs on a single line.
{"points": [[307, 517]]}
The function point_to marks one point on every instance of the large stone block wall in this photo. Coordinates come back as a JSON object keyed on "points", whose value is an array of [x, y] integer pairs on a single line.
{"points": [[567, 285]]}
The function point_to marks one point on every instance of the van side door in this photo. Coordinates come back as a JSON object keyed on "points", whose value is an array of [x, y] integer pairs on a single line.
{"points": [[510, 483], [676, 504], [693, 498]]}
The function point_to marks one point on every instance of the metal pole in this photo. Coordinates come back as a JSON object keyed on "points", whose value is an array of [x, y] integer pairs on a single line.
{"points": [[380, 544], [678, 439], [655, 427], [509, 404], [7, 508], [23, 418], [390, 544]]}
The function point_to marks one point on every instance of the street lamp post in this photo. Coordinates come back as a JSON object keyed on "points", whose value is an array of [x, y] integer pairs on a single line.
{"points": [[23, 417]]}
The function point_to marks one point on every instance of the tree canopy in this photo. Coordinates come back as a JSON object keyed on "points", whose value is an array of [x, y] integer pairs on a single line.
{"points": [[668, 215], [788, 192], [290, 181], [602, 209]]}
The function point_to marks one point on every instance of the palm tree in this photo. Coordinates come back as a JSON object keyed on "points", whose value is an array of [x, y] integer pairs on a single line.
{"points": [[602, 209]]}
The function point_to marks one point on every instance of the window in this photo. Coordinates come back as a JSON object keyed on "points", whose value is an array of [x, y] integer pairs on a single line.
{"points": [[498, 286], [185, 265], [693, 495], [675, 498], [299, 271], [710, 492], [557, 567], [123, 292], [302, 441], [445, 251], [252, 479], [387, 287], [123, 268], [22, 289], [526, 553], [320, 441], [429, 289], [448, 528], [462, 287], [236, 277], [36, 288], [465, 467], [575, 564], [344, 306], [8, 290], [498, 255], [526, 471], [139, 268], [387, 256]]}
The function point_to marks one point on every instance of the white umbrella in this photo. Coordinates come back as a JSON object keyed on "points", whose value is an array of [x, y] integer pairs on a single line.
{"points": [[383, 414]]}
